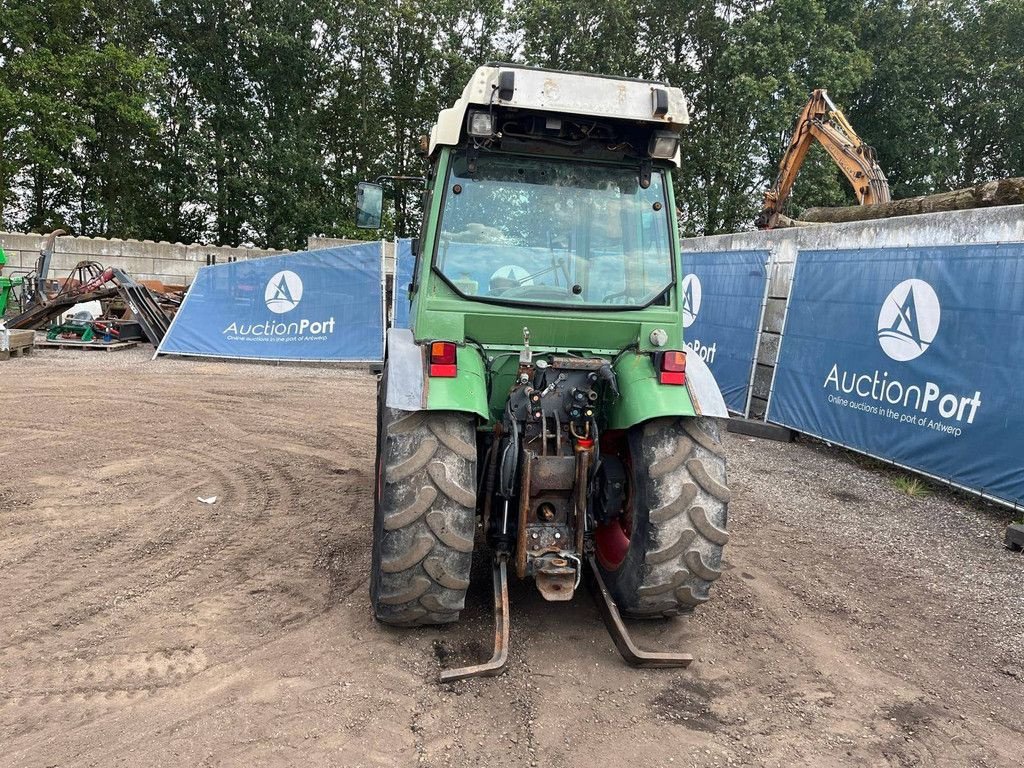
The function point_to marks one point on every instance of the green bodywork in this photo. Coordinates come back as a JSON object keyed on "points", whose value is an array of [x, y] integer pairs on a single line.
{"points": [[6, 284], [439, 313]]}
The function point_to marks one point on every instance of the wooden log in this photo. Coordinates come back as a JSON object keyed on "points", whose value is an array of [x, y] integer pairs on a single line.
{"points": [[784, 222], [989, 194]]}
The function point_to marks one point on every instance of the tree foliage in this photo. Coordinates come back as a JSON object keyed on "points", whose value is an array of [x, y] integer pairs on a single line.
{"points": [[223, 122]]}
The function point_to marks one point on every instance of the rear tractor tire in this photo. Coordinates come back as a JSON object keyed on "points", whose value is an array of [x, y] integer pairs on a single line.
{"points": [[424, 516], [676, 521]]}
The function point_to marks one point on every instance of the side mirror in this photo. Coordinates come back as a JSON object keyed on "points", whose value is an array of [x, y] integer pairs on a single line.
{"points": [[369, 205]]}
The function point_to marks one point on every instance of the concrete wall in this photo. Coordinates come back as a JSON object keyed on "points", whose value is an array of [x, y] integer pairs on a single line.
{"points": [[171, 263], [981, 225]]}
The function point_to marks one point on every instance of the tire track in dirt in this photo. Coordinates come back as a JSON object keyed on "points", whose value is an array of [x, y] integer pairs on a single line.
{"points": [[117, 548], [263, 492], [266, 497]]}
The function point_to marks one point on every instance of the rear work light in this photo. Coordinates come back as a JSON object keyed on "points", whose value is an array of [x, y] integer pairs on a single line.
{"points": [[442, 360], [672, 368], [480, 124], [663, 145]]}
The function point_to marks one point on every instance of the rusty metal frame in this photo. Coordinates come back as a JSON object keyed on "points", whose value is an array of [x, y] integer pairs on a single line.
{"points": [[583, 458], [499, 658], [620, 635], [524, 512]]}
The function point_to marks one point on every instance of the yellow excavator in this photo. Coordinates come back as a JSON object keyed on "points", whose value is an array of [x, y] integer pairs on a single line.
{"points": [[821, 120]]}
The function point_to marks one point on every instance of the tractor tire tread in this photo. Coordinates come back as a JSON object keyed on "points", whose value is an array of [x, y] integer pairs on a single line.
{"points": [[699, 568], [458, 445], [412, 464], [436, 570], [706, 528], [408, 557], [687, 495], [703, 438], [673, 550], [700, 473], [448, 536], [677, 506], [670, 463], [465, 497], [425, 517], [403, 517]]}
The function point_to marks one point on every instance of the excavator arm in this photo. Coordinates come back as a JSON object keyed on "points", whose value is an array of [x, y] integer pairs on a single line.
{"points": [[822, 121]]}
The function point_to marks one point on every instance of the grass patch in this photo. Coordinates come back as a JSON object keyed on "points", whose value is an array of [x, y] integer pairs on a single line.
{"points": [[914, 487]]}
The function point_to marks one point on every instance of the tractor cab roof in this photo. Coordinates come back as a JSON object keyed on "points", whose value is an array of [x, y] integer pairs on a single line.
{"points": [[511, 88]]}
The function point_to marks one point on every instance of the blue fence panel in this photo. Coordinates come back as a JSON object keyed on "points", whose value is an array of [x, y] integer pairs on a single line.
{"points": [[324, 305], [404, 263], [913, 355], [723, 300]]}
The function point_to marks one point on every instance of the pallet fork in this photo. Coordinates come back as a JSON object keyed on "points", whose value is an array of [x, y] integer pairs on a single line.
{"points": [[633, 655]]}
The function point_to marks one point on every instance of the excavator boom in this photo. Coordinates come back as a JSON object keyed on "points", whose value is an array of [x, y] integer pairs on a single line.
{"points": [[822, 121]]}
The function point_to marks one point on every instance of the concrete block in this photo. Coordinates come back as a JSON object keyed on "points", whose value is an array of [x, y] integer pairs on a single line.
{"points": [[1015, 537], [18, 241], [151, 250], [62, 263], [758, 406], [774, 315], [133, 265], [261, 253], [318, 243], [768, 348], [21, 259], [785, 251], [979, 225], [780, 280], [763, 381], [90, 248], [224, 253], [755, 428], [167, 278], [198, 254], [171, 266]]}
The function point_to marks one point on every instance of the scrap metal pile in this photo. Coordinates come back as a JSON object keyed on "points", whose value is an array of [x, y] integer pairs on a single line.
{"points": [[128, 310]]}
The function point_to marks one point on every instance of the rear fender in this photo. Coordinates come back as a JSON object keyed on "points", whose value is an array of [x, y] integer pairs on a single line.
{"points": [[410, 389], [643, 397]]}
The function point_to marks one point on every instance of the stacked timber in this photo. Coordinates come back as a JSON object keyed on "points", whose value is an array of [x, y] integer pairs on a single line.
{"points": [[987, 195]]}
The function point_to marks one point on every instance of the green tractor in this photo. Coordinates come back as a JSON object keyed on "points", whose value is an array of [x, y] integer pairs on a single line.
{"points": [[7, 285], [542, 407]]}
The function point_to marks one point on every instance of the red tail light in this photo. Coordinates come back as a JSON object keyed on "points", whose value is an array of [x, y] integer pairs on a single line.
{"points": [[672, 368], [442, 360]]}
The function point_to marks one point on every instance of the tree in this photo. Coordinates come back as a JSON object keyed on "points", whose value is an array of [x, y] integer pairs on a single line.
{"points": [[214, 121], [904, 109]]}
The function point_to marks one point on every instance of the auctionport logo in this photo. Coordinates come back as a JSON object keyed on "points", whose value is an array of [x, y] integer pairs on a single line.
{"points": [[908, 320], [283, 293], [907, 325], [691, 299]]}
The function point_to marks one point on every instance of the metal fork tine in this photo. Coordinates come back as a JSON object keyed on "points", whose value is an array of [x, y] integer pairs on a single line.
{"points": [[620, 635], [496, 664]]}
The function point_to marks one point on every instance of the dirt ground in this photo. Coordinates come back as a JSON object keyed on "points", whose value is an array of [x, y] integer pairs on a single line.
{"points": [[854, 625]]}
